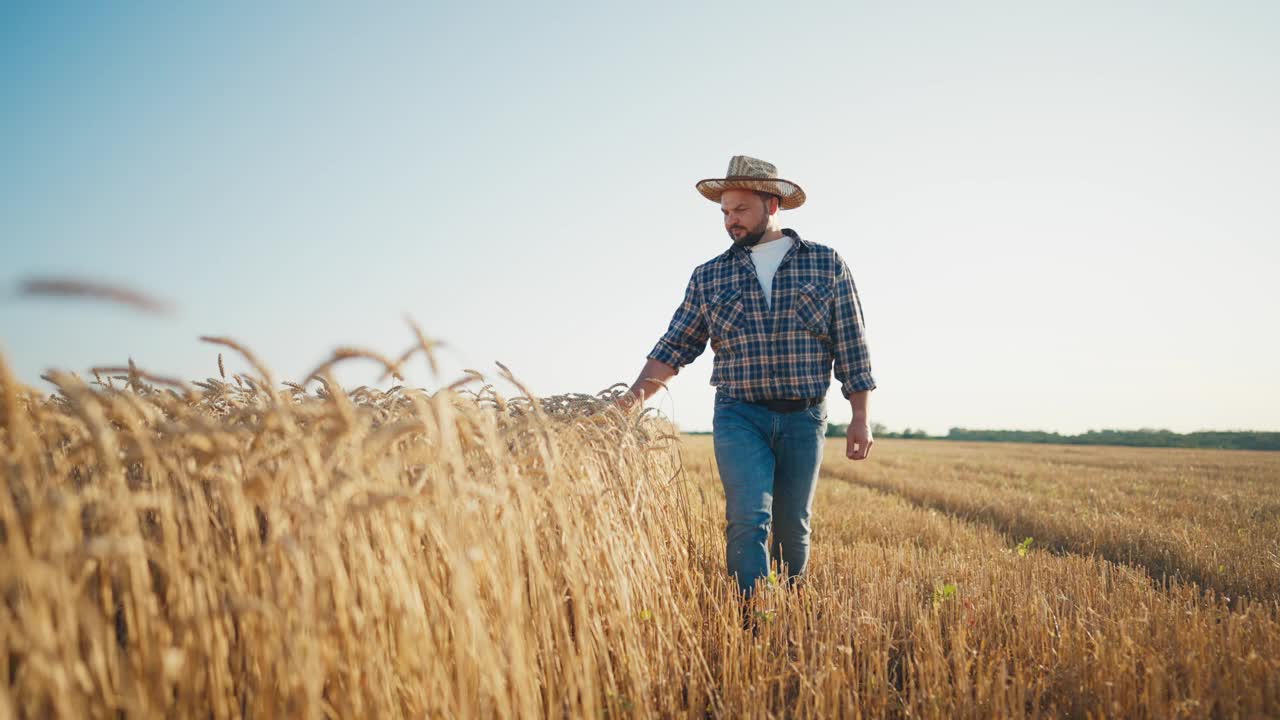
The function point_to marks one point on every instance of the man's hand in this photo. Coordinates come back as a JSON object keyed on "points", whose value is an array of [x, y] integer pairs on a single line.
{"points": [[653, 377], [858, 443], [627, 403]]}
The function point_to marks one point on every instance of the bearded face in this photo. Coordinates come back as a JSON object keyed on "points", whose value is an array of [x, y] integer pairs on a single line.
{"points": [[748, 238], [746, 216]]}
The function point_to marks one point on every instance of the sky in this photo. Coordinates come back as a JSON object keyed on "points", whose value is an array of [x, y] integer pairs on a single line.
{"points": [[1059, 216]]}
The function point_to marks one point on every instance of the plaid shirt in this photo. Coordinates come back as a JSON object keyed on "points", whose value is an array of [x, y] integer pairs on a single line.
{"points": [[786, 351]]}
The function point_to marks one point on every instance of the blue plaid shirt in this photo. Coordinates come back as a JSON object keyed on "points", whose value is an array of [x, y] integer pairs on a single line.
{"points": [[786, 351]]}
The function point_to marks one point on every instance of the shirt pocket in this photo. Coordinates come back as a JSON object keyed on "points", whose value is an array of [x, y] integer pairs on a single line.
{"points": [[813, 309], [725, 313]]}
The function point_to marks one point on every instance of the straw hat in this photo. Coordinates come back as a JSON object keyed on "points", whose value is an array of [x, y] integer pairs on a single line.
{"points": [[748, 173]]}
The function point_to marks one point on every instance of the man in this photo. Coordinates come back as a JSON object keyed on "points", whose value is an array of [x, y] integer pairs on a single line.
{"points": [[779, 311]]}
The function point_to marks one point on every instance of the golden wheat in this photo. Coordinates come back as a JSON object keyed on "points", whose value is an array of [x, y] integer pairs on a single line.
{"points": [[247, 548]]}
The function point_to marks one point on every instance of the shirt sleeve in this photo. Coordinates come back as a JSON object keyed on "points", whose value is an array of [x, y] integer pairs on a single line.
{"points": [[852, 361], [686, 337]]}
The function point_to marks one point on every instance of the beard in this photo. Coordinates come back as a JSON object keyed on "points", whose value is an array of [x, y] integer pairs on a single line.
{"points": [[751, 237]]}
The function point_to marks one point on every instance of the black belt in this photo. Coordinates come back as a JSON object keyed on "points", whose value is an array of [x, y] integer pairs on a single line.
{"points": [[788, 405]]}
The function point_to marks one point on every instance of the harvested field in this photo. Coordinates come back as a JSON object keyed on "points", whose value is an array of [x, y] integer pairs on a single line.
{"points": [[1207, 516]]}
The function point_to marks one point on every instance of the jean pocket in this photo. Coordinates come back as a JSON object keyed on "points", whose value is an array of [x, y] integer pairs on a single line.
{"points": [[818, 413]]}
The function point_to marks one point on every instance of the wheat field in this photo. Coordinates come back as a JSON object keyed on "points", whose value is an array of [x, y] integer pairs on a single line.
{"points": [[242, 547]]}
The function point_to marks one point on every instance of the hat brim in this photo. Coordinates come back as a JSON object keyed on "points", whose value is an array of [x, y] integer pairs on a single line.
{"points": [[790, 195]]}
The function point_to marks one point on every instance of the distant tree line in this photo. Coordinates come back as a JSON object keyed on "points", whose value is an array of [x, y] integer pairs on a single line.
{"points": [[1145, 437], [878, 430], [1223, 439]]}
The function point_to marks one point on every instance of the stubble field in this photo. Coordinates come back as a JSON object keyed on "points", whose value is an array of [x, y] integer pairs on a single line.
{"points": [[228, 550]]}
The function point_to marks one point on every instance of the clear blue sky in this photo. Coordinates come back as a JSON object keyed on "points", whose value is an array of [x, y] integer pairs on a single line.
{"points": [[1059, 215]]}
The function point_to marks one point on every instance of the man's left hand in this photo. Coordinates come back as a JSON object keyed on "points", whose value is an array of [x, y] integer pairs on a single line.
{"points": [[859, 441]]}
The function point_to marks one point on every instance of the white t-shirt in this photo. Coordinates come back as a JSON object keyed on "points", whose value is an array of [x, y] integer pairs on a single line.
{"points": [[766, 256]]}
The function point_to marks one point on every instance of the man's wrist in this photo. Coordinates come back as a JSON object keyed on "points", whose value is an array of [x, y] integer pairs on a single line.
{"points": [[858, 404]]}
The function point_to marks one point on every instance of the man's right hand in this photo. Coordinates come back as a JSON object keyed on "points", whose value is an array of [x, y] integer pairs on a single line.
{"points": [[627, 402], [652, 379]]}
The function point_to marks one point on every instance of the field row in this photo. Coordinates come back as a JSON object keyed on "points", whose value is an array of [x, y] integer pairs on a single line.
{"points": [[1205, 516]]}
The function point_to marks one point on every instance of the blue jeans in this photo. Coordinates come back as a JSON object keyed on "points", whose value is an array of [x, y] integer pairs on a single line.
{"points": [[769, 468]]}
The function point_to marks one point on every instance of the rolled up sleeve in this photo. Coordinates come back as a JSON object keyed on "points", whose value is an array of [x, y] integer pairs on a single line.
{"points": [[852, 361], [686, 337]]}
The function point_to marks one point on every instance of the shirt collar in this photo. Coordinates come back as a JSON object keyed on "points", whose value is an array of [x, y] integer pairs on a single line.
{"points": [[739, 251], [795, 236]]}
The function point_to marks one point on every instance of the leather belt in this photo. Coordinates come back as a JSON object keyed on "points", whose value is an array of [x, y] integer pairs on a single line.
{"points": [[788, 405]]}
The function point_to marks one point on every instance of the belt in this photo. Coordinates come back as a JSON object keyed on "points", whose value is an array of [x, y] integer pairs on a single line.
{"points": [[788, 405]]}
